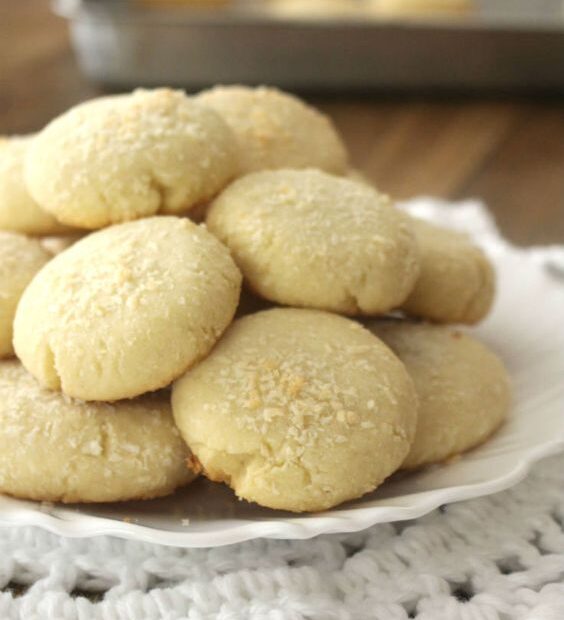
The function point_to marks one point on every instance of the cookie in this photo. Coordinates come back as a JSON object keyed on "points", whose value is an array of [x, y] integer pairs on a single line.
{"points": [[124, 157], [298, 410], [276, 130], [18, 210], [191, 4], [20, 259], [314, 9], [307, 238], [457, 281], [53, 448], [463, 388], [127, 309], [423, 8]]}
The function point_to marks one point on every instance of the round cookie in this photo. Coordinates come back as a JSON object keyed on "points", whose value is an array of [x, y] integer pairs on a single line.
{"points": [[125, 157], [53, 448], [457, 281], [18, 211], [422, 8], [314, 9], [20, 259], [307, 238], [277, 130], [297, 410], [463, 388], [127, 309]]}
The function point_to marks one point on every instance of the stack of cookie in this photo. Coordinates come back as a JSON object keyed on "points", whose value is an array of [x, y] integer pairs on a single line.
{"points": [[132, 373]]}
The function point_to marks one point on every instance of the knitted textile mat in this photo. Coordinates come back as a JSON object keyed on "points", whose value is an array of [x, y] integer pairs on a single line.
{"points": [[496, 558]]}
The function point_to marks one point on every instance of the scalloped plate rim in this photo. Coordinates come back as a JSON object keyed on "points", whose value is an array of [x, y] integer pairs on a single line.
{"points": [[88, 526]]}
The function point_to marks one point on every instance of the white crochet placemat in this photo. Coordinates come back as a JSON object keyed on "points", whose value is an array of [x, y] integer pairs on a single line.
{"points": [[496, 558]]}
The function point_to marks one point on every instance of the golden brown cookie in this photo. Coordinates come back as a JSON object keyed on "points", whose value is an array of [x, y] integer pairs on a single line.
{"points": [[125, 157], [20, 259], [457, 281], [53, 448], [18, 210], [276, 130], [127, 309], [463, 388], [297, 409], [307, 238]]}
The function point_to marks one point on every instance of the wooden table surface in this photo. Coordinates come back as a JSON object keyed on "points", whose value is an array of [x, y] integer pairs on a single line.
{"points": [[509, 153]]}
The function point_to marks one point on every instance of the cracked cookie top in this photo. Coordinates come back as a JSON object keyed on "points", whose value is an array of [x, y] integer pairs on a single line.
{"points": [[297, 409], [54, 448], [127, 309]]}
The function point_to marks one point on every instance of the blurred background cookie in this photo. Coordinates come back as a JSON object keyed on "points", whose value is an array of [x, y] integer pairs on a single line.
{"points": [[277, 130], [434, 8], [189, 4], [314, 9]]}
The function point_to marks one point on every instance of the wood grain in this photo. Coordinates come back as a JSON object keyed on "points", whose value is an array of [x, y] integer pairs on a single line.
{"points": [[509, 153]]}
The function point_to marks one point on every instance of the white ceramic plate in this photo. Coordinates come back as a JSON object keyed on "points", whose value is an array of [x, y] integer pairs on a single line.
{"points": [[526, 327]]}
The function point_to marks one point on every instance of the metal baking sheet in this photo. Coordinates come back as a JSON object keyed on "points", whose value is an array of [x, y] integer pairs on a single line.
{"points": [[501, 46]]}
